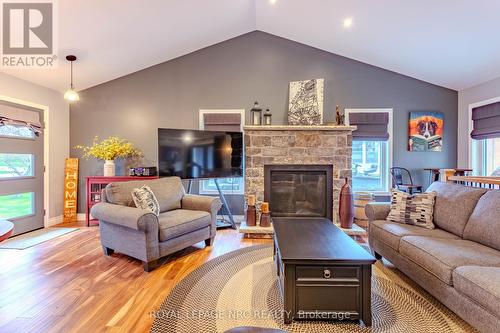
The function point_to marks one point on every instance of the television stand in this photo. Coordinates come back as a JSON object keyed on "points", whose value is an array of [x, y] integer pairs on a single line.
{"points": [[225, 207]]}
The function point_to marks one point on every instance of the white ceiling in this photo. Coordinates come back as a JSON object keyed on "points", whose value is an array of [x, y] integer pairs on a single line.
{"points": [[452, 43]]}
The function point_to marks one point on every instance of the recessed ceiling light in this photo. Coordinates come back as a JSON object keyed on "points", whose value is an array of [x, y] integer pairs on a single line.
{"points": [[272, 2], [347, 22]]}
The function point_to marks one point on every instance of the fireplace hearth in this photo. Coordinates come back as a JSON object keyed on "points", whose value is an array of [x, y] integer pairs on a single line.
{"points": [[299, 190]]}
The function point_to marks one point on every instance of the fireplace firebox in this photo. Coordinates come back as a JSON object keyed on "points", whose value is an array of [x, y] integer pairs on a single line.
{"points": [[299, 190]]}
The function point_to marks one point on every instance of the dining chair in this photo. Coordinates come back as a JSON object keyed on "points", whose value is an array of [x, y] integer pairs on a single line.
{"points": [[402, 180]]}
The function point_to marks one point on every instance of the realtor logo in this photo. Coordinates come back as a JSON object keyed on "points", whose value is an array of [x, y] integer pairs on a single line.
{"points": [[28, 34]]}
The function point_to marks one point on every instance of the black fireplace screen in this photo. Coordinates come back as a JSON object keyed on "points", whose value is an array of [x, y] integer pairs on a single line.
{"points": [[299, 191]]}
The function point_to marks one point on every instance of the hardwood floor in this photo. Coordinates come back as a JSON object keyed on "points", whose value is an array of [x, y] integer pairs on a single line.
{"points": [[68, 285]]}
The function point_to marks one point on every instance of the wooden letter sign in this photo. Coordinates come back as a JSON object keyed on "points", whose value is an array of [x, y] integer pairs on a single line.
{"points": [[70, 189]]}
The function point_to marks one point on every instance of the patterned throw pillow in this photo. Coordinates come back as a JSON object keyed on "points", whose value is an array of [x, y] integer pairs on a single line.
{"points": [[144, 198], [416, 209]]}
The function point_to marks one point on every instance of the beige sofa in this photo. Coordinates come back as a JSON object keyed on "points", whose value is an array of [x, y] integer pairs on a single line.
{"points": [[459, 261], [184, 220]]}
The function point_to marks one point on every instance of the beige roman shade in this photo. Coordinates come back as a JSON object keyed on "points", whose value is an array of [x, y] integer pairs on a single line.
{"points": [[372, 126], [486, 122], [14, 116], [230, 122]]}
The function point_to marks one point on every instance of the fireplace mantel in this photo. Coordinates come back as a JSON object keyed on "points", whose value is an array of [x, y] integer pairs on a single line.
{"points": [[298, 128]]}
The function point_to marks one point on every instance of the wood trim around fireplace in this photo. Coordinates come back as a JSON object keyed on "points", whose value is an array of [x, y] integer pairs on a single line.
{"points": [[327, 168]]}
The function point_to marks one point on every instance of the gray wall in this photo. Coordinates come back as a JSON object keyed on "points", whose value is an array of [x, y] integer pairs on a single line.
{"points": [[235, 73]]}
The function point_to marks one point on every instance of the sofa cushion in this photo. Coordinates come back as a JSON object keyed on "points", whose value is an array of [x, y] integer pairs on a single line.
{"points": [[179, 222], [390, 233], [481, 284], [415, 209], [484, 223], [440, 256], [168, 191], [454, 205]]}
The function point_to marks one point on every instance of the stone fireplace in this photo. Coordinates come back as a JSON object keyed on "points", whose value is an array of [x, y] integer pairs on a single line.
{"points": [[311, 161]]}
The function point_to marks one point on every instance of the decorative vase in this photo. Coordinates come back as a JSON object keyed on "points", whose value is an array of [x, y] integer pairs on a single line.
{"points": [[346, 206], [109, 168]]}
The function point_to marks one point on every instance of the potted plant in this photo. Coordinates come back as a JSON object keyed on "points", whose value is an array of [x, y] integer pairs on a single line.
{"points": [[109, 150]]}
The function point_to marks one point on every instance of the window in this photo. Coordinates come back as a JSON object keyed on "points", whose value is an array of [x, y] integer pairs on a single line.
{"points": [[226, 120], [16, 131], [17, 205], [16, 165], [486, 157], [369, 166], [484, 120], [371, 149], [228, 186]]}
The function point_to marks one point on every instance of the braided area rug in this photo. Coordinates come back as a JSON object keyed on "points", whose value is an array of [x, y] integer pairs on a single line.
{"points": [[241, 289]]}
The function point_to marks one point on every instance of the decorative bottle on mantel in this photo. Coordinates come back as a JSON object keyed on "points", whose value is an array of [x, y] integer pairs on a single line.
{"points": [[251, 211], [346, 206]]}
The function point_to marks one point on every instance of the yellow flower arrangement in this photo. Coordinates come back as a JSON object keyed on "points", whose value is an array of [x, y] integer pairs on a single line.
{"points": [[109, 149]]}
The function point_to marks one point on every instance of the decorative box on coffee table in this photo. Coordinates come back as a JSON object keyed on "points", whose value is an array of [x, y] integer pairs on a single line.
{"points": [[322, 272]]}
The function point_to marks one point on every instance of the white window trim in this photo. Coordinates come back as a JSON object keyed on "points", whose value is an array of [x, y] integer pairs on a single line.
{"points": [[389, 142], [471, 125], [201, 126]]}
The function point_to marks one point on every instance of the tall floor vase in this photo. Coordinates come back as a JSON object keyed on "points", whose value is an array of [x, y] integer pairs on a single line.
{"points": [[109, 168], [346, 206]]}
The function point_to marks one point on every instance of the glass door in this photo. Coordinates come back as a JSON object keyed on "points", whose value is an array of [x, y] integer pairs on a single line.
{"points": [[21, 177]]}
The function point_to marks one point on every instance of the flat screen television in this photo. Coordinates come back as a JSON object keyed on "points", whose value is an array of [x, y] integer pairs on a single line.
{"points": [[192, 154]]}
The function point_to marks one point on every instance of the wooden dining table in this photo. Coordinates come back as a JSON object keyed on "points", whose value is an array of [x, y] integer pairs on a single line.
{"points": [[434, 173]]}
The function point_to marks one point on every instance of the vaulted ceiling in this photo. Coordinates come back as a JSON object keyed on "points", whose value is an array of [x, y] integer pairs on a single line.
{"points": [[452, 43]]}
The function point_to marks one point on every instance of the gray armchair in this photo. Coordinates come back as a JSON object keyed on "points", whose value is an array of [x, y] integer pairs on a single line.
{"points": [[184, 220]]}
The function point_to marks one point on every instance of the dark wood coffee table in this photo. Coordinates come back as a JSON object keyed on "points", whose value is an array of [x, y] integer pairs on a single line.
{"points": [[323, 273]]}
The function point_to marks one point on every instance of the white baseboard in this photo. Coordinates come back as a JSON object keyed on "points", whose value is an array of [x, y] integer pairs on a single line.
{"points": [[59, 219], [54, 220]]}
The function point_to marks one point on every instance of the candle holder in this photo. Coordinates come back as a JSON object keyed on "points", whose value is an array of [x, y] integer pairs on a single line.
{"points": [[256, 113], [251, 216], [265, 220], [267, 117], [265, 216]]}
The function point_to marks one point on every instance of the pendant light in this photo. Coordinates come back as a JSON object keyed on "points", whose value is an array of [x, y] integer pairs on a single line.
{"points": [[71, 94]]}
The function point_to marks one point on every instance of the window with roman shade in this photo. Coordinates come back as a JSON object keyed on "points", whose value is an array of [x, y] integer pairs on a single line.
{"points": [[486, 122], [230, 122], [372, 126], [371, 149], [216, 120], [18, 117]]}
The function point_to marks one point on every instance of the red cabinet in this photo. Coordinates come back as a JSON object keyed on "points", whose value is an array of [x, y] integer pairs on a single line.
{"points": [[95, 185]]}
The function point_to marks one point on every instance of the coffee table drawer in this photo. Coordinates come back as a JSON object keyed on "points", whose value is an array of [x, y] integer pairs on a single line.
{"points": [[345, 274], [328, 299]]}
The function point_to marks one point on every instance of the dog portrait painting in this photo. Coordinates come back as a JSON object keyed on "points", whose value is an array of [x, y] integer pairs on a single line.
{"points": [[426, 131]]}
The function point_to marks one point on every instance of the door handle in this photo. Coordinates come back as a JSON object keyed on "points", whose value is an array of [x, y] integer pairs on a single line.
{"points": [[327, 274]]}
